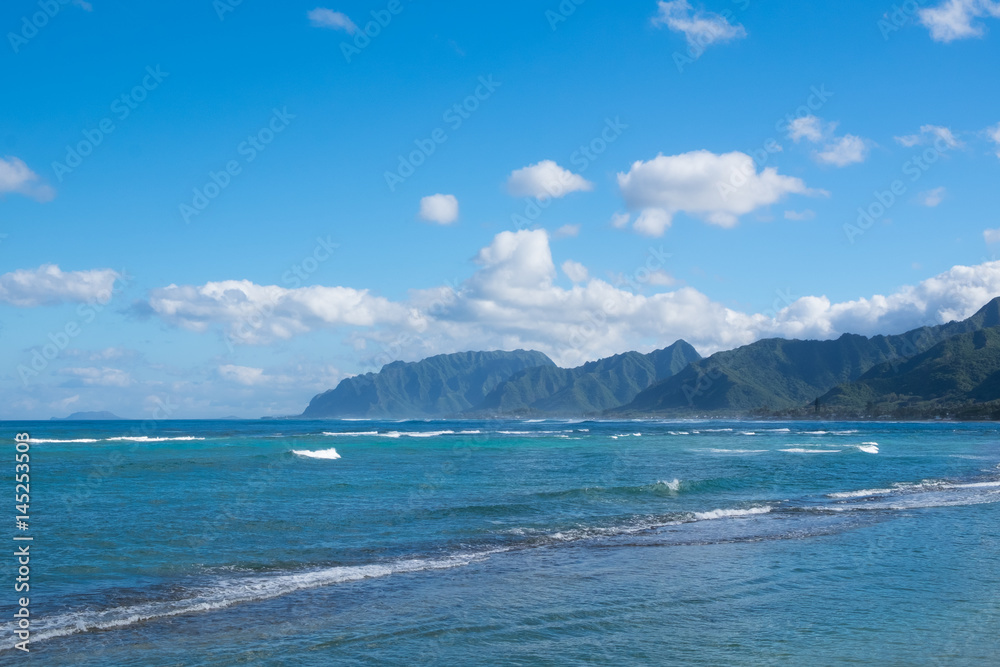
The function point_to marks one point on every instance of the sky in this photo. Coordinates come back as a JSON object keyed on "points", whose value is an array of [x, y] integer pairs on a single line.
{"points": [[225, 207]]}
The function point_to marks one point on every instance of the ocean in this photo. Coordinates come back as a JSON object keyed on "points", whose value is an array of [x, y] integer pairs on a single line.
{"points": [[508, 542]]}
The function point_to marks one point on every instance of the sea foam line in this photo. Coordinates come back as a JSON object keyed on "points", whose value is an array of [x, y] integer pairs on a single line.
{"points": [[330, 454], [230, 592]]}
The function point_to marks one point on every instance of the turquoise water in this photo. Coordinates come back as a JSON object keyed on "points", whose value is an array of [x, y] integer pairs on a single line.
{"points": [[531, 543]]}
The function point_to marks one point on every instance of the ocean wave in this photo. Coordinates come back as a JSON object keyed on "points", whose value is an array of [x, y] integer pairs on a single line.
{"points": [[672, 486], [146, 438], [318, 454], [803, 450], [229, 592], [733, 451], [730, 513], [868, 447], [350, 433], [54, 440]]}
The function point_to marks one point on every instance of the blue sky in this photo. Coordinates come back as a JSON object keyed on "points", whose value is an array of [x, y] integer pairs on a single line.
{"points": [[614, 176]]}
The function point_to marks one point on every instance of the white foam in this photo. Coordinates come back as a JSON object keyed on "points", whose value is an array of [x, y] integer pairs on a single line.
{"points": [[868, 447], [415, 434], [779, 430], [41, 440], [319, 454], [747, 433], [730, 513], [815, 432], [351, 433], [677, 433], [803, 450], [737, 451], [718, 430], [863, 493], [146, 438], [227, 593], [673, 486]]}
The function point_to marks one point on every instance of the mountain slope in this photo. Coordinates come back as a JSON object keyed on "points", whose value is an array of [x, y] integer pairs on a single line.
{"points": [[958, 375], [591, 388], [779, 374], [434, 387]]}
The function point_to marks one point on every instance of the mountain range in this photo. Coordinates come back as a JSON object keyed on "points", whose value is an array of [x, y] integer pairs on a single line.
{"points": [[949, 369]]}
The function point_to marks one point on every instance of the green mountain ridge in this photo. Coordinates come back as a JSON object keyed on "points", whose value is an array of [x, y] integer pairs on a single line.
{"points": [[780, 374], [438, 386], [585, 390], [949, 368], [958, 376]]}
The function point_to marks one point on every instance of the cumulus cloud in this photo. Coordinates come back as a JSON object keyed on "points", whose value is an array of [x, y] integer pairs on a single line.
{"points": [[929, 134], [16, 177], [620, 220], [807, 214], [546, 179], [442, 209], [575, 271], [991, 235], [567, 231], [257, 314], [327, 18], [97, 377], [807, 127], [846, 150], [700, 28], [49, 285], [994, 134], [932, 198], [513, 301], [244, 375], [957, 19], [837, 151], [715, 188]]}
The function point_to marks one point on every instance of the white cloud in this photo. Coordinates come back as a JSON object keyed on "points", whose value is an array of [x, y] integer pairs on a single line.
{"points": [[245, 375], [807, 214], [442, 209], [546, 179], [846, 150], [932, 198], [653, 222], [715, 188], [808, 127], [700, 28], [256, 314], [837, 151], [49, 285], [512, 301], [956, 19], [930, 134], [660, 278], [98, 377], [15, 176], [575, 271], [567, 231], [991, 235], [620, 220], [327, 18], [994, 134]]}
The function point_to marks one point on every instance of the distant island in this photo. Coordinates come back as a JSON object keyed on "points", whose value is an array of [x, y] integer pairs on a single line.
{"points": [[103, 415], [949, 371]]}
